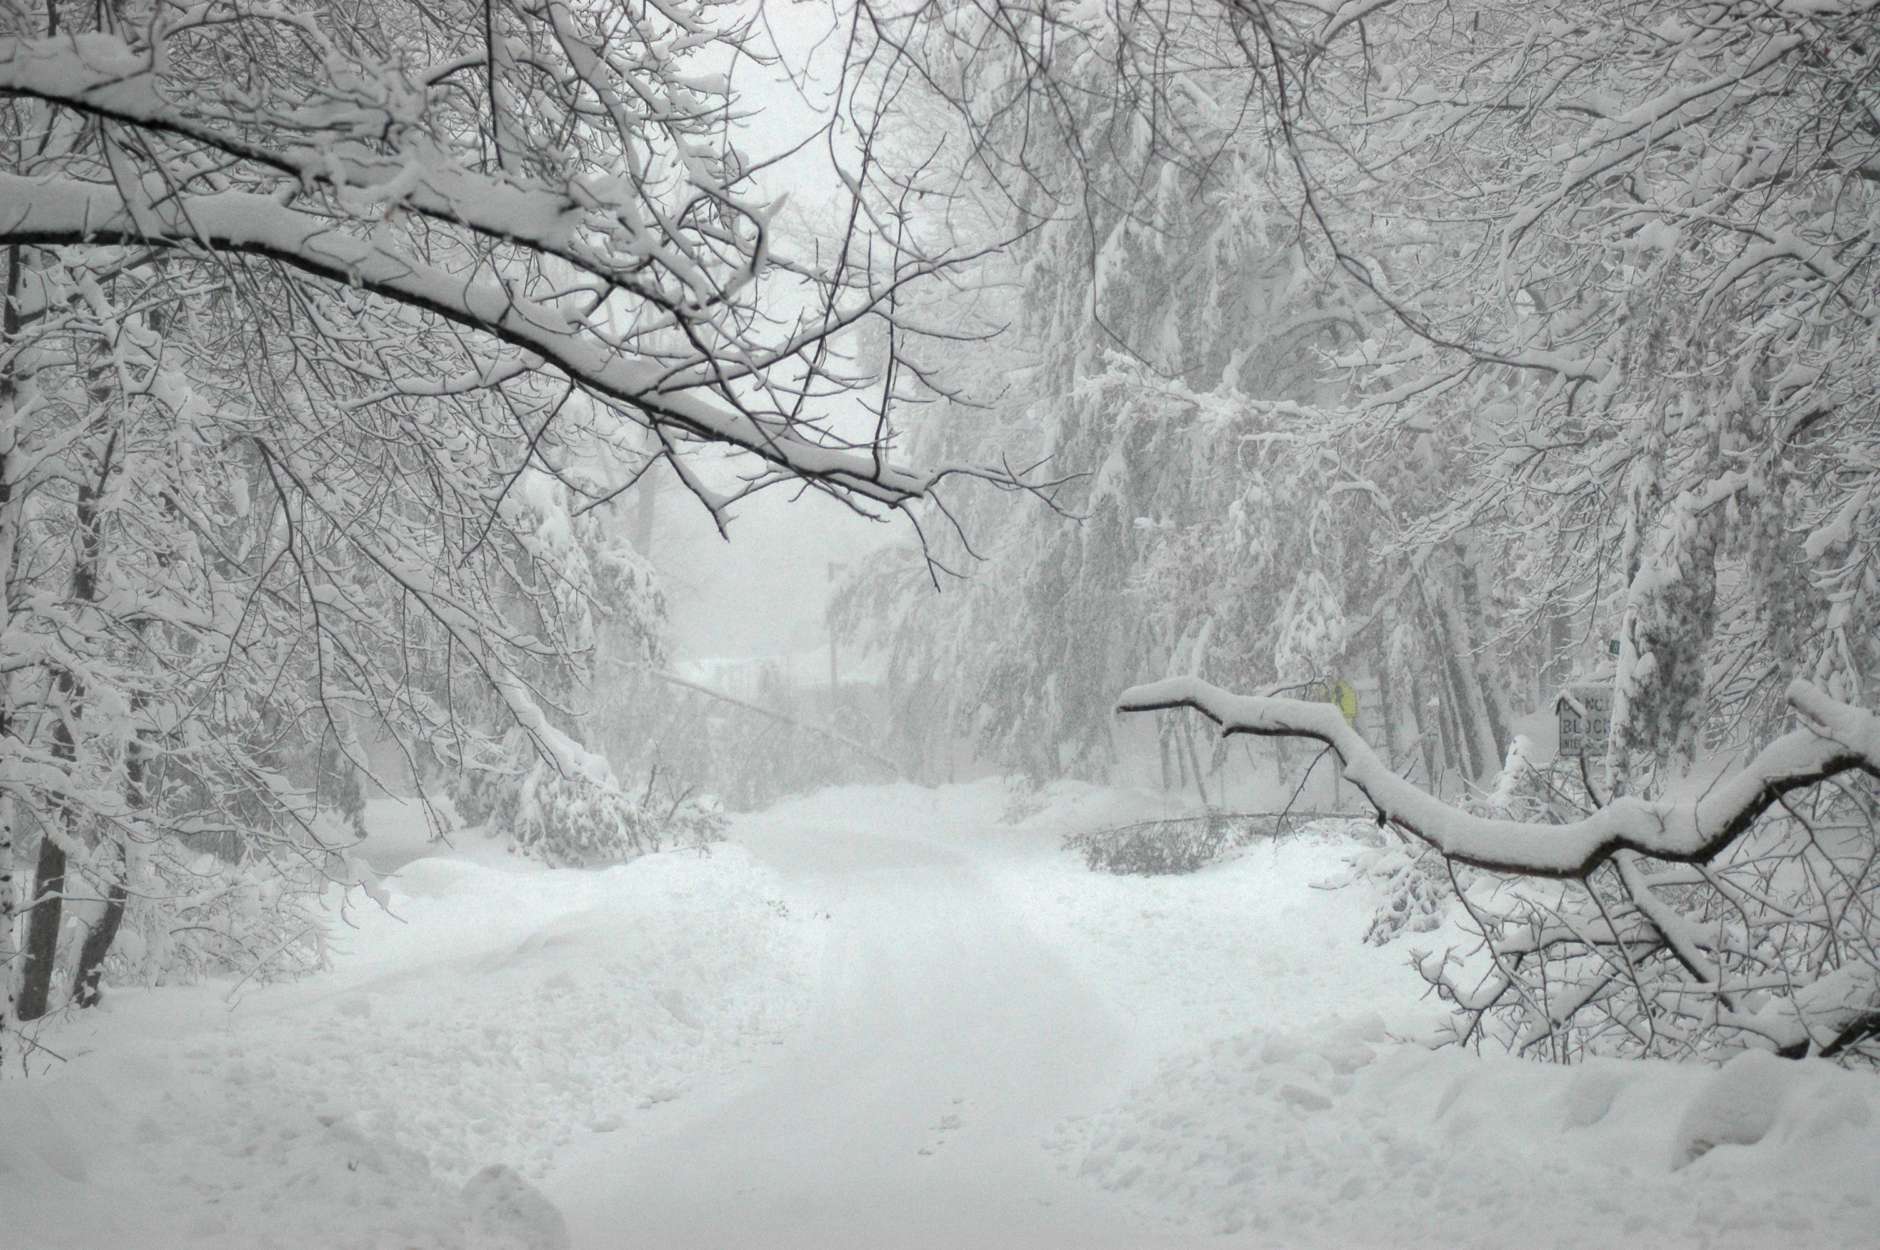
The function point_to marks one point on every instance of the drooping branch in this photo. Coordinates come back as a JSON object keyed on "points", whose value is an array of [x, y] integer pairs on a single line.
{"points": [[1835, 738], [55, 211]]}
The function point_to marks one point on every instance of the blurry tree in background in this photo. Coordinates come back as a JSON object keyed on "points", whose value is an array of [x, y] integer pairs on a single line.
{"points": [[1452, 342], [1173, 320], [743, 736], [1515, 332], [329, 330]]}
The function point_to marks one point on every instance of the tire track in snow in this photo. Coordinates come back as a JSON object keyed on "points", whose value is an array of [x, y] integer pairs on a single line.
{"points": [[912, 1111]]}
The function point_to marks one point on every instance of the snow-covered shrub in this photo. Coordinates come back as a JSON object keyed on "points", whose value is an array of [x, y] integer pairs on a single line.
{"points": [[568, 819], [582, 816], [1159, 847], [1775, 945], [191, 915], [1523, 791], [1413, 886], [1184, 844]]}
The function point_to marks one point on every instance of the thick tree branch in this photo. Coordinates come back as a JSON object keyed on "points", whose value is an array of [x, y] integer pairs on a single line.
{"points": [[56, 211], [1838, 738]]}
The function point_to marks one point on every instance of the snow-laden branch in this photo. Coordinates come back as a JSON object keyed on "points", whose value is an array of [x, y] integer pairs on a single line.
{"points": [[53, 211], [1836, 738]]}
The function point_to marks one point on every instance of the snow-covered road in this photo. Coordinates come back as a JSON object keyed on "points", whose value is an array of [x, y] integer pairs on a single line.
{"points": [[891, 1018], [912, 1109], [1010, 1051]]}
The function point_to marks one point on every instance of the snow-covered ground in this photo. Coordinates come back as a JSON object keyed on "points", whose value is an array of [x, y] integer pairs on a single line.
{"points": [[891, 1017], [501, 1011]]}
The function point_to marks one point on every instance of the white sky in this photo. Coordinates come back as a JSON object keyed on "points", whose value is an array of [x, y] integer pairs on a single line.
{"points": [[764, 592]]}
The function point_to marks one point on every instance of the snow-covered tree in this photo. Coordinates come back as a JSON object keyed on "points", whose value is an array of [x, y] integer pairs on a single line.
{"points": [[328, 331], [1609, 374], [1165, 334], [1640, 282]]}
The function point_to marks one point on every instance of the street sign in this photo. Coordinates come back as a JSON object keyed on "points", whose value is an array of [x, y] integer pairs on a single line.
{"points": [[1585, 713]]}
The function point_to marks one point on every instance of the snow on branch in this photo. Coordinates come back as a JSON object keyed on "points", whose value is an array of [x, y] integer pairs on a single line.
{"points": [[1836, 738], [614, 235], [56, 211]]}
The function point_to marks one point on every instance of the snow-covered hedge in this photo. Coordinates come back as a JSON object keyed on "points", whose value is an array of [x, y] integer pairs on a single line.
{"points": [[1183, 843], [583, 816], [1412, 884], [192, 914]]}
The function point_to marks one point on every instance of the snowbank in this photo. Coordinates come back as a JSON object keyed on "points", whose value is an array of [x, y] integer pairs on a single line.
{"points": [[1336, 1136], [414, 1095], [1276, 1103], [1254, 939], [986, 1040]]}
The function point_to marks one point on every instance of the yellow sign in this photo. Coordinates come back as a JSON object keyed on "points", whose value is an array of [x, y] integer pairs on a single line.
{"points": [[1337, 691]]}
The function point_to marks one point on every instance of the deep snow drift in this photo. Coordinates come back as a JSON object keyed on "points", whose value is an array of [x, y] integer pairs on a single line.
{"points": [[500, 1011], [890, 1017]]}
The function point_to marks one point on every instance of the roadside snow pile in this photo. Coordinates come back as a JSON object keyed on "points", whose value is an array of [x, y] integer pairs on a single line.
{"points": [[1235, 1135], [1337, 1136], [1275, 1103], [504, 1010], [1186, 958], [562, 1001]]}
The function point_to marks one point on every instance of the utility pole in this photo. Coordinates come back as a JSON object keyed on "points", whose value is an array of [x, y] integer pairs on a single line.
{"points": [[835, 688]]}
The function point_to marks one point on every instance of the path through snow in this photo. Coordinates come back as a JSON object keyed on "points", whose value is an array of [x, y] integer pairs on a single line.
{"points": [[911, 1110], [1010, 1051], [888, 1018]]}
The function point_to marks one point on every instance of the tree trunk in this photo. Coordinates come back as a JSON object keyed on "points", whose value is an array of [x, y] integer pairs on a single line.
{"points": [[44, 910], [646, 506], [9, 917], [1194, 762], [1443, 746], [1161, 742], [9, 847], [1484, 684], [1480, 751], [85, 983], [86, 987], [1387, 697], [1465, 718], [47, 909]]}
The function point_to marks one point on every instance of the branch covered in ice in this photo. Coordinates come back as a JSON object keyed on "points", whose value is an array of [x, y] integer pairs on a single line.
{"points": [[1835, 738]]}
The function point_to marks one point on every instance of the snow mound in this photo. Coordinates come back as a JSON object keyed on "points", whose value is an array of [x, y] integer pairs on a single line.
{"points": [[1737, 1106], [1337, 1136], [1202, 955], [1786, 1107], [1248, 1134], [496, 1013], [508, 1213]]}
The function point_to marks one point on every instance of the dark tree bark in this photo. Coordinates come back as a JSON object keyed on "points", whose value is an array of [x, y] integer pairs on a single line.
{"points": [[86, 990], [43, 915], [9, 328], [47, 910], [86, 982]]}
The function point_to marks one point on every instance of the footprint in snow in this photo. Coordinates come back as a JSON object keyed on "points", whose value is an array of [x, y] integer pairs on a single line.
{"points": [[947, 1124]]}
